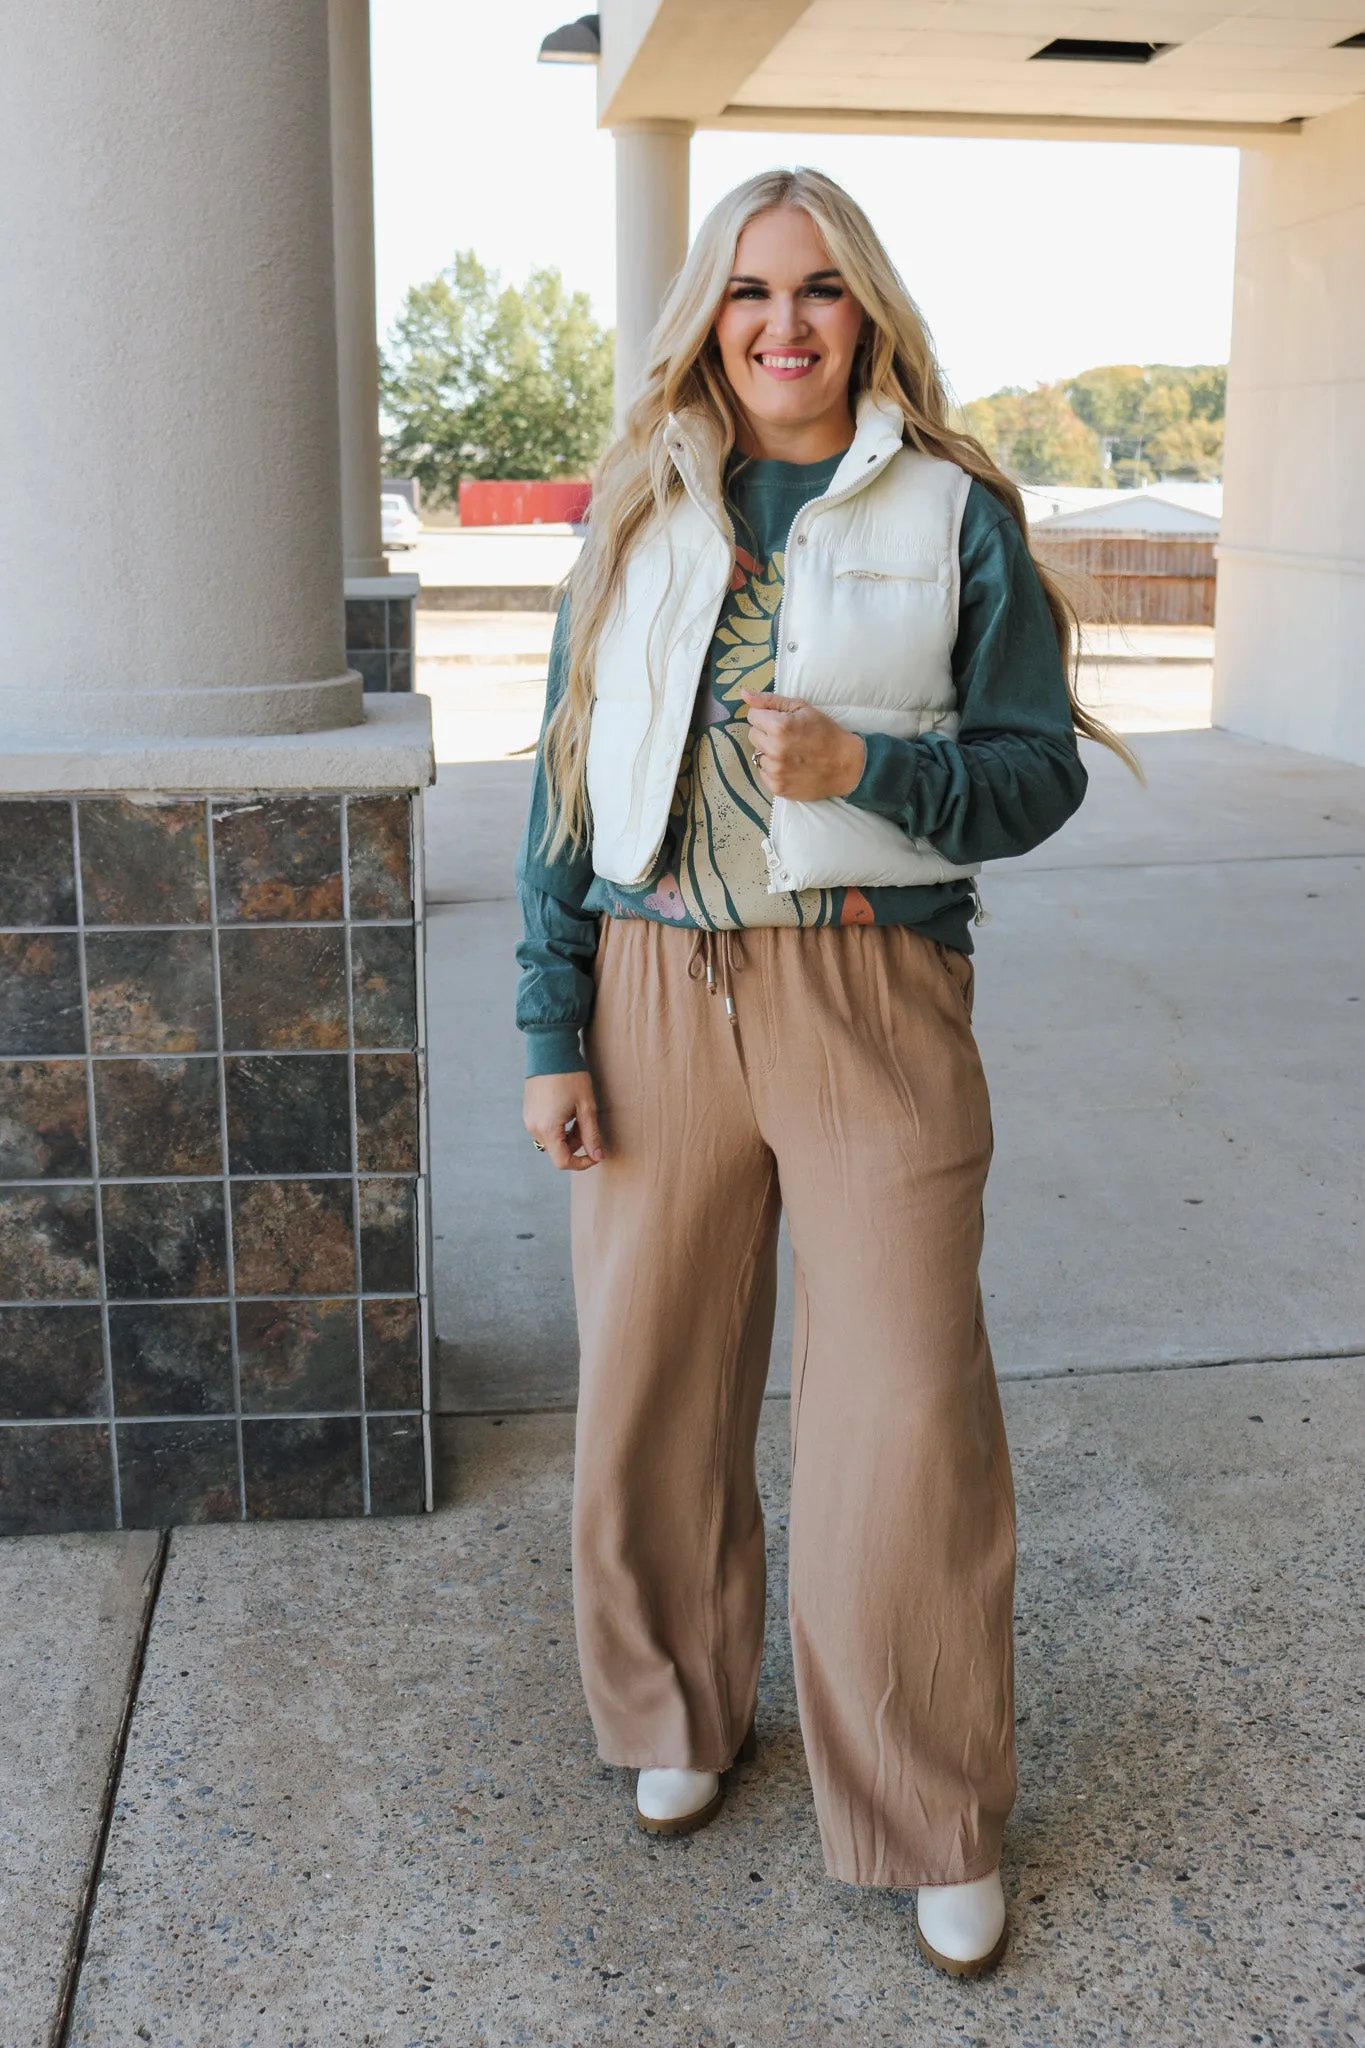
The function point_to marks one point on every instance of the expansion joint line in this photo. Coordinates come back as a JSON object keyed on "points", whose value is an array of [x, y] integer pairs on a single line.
{"points": [[60, 2034]]}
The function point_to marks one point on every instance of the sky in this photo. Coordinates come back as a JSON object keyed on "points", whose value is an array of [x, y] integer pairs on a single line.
{"points": [[1029, 260]]}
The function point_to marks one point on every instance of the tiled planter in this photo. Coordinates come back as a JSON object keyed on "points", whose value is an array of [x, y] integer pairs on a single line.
{"points": [[212, 1183], [381, 626]]}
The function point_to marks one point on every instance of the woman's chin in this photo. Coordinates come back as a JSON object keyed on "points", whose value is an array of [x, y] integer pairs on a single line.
{"points": [[787, 405]]}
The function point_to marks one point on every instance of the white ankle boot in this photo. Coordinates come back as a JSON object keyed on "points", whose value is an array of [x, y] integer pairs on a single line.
{"points": [[961, 1927], [676, 1802]]}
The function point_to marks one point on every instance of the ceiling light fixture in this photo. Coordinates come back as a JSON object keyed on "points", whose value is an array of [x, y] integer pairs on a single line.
{"points": [[578, 42]]}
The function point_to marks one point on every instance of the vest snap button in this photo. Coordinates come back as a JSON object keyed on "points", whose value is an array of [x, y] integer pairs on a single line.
{"points": [[801, 539], [791, 647]]}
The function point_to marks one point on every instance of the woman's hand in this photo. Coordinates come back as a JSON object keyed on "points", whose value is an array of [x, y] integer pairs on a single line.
{"points": [[800, 752], [560, 1112]]}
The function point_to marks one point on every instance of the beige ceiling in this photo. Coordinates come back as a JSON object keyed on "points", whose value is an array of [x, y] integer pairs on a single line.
{"points": [[945, 65]]}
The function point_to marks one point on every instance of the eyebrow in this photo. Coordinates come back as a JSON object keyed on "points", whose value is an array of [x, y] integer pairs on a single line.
{"points": [[811, 277]]}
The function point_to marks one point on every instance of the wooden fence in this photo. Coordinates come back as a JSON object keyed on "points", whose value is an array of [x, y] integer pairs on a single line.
{"points": [[1149, 579]]}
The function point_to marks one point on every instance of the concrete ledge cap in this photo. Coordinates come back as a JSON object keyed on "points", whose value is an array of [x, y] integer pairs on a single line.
{"points": [[391, 750], [396, 585]]}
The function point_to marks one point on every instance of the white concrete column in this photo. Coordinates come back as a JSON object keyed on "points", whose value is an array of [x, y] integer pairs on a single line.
{"points": [[1291, 559], [357, 347], [170, 534], [651, 236]]}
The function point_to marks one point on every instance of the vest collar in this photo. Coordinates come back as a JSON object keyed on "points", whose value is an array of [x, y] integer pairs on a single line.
{"points": [[693, 443]]}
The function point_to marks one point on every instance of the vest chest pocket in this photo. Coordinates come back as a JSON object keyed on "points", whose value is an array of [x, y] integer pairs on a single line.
{"points": [[908, 569], [886, 638]]}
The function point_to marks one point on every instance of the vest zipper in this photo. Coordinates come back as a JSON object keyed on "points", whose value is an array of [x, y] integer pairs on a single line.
{"points": [[802, 519], [776, 872]]}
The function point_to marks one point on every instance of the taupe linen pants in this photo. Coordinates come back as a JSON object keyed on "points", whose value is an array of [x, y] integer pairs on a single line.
{"points": [[847, 1090]]}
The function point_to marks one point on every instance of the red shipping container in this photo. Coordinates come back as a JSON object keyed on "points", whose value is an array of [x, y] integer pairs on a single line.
{"points": [[509, 502]]}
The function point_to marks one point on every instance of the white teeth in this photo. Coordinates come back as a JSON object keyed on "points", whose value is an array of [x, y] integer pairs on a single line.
{"points": [[787, 362]]}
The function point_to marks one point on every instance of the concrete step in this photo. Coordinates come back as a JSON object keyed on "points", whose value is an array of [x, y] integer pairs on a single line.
{"points": [[492, 640]]}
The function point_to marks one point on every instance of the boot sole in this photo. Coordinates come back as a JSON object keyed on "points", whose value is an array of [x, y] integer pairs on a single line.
{"points": [[684, 1823], [689, 1823], [973, 1966]]}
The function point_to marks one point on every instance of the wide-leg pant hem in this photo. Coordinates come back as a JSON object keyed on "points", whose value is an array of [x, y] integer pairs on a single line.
{"points": [[641, 1760], [911, 1880]]}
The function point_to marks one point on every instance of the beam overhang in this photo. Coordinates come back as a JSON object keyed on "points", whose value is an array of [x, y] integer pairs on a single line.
{"points": [[662, 61], [1005, 127]]}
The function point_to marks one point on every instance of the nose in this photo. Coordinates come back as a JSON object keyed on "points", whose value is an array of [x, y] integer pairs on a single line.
{"points": [[786, 320]]}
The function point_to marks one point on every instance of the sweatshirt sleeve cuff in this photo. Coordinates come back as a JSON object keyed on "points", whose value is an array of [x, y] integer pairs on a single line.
{"points": [[890, 772], [557, 1050]]}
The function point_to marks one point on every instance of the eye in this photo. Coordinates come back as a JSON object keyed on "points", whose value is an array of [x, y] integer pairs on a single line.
{"points": [[748, 291], [826, 291]]}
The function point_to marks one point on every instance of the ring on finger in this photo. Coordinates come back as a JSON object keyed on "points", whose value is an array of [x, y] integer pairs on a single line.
{"points": [[536, 1142]]}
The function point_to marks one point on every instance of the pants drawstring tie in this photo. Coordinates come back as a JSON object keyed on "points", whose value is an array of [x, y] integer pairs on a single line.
{"points": [[702, 959]]}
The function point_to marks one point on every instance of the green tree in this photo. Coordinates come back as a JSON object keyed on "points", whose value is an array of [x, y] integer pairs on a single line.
{"points": [[485, 380], [1036, 436], [1178, 441], [1112, 401], [1157, 419], [1208, 389]]}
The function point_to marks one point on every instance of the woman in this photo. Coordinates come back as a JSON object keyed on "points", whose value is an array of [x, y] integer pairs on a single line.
{"points": [[806, 680]]}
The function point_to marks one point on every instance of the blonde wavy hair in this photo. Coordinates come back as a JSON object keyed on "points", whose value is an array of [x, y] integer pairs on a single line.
{"points": [[636, 482]]}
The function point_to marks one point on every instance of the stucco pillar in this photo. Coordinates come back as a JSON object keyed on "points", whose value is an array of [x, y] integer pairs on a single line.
{"points": [[357, 349], [214, 1207], [651, 236], [170, 534], [1291, 555]]}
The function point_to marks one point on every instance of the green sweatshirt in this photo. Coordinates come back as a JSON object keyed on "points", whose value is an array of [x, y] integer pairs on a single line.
{"points": [[1009, 779]]}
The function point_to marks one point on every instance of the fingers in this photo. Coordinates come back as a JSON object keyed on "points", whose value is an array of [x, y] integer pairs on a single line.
{"points": [[560, 1113], [804, 753], [589, 1132], [564, 1147], [772, 724], [769, 700], [776, 745], [559, 1152]]}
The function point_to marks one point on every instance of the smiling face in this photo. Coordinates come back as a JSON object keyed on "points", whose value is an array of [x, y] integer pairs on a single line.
{"points": [[787, 330]]}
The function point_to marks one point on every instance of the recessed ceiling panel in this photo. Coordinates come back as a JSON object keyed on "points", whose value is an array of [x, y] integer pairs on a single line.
{"points": [[1261, 63]]}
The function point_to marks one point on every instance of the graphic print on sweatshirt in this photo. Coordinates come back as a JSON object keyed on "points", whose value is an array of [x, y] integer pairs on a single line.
{"points": [[711, 869], [717, 876]]}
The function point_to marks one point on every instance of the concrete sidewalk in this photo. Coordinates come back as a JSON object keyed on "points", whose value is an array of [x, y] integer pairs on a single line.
{"points": [[359, 1806], [1171, 1006]]}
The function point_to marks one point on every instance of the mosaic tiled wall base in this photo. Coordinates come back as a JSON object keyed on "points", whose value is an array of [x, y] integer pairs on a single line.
{"points": [[379, 640], [212, 1194]]}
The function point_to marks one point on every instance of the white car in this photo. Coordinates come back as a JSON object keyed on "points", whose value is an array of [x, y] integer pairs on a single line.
{"points": [[399, 524]]}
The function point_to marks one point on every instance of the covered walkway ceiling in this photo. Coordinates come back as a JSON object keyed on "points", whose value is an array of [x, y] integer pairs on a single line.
{"points": [[1145, 69]]}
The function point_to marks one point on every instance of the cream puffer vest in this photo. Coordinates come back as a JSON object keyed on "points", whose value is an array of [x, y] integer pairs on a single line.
{"points": [[865, 630]]}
